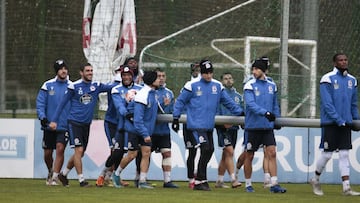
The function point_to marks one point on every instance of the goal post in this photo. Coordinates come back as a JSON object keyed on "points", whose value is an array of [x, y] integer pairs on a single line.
{"points": [[311, 68]]}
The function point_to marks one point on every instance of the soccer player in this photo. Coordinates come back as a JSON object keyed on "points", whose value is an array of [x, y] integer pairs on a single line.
{"points": [[201, 98], [262, 108], [338, 109], [161, 141], [123, 96], [144, 121], [227, 135], [111, 122], [188, 137], [241, 158], [83, 96], [47, 100]]}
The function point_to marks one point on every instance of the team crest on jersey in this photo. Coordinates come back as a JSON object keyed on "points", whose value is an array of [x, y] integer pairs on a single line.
{"points": [[198, 91], [336, 85], [256, 91], [92, 88], [271, 90], [214, 89], [85, 99], [52, 91], [350, 84], [122, 94]]}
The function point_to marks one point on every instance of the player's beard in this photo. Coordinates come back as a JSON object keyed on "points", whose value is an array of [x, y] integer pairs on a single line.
{"points": [[88, 78]]}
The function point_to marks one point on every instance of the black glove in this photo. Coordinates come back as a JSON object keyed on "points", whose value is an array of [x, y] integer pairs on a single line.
{"points": [[44, 122], [355, 128], [270, 116], [351, 126], [175, 125], [277, 127], [130, 117]]}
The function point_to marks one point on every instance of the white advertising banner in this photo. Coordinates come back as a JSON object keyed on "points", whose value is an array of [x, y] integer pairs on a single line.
{"points": [[297, 152], [17, 148]]}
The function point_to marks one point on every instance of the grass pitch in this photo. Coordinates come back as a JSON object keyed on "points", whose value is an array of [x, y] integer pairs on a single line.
{"points": [[35, 190]]}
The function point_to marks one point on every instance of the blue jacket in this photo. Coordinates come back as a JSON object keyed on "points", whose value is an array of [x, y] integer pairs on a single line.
{"points": [[124, 106], [201, 100], [83, 97], [145, 111], [161, 93], [48, 99], [260, 97], [111, 113], [338, 94], [236, 96]]}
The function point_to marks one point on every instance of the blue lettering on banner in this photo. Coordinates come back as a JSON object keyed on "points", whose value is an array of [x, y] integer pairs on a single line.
{"points": [[12, 147], [297, 153]]}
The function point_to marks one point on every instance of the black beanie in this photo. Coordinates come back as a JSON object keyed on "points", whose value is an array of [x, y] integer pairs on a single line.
{"points": [[206, 66], [59, 64], [149, 77], [261, 64]]}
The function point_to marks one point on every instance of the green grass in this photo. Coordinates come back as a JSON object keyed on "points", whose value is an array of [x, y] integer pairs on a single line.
{"points": [[35, 190]]}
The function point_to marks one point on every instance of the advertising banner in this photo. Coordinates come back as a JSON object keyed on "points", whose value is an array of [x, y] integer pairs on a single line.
{"points": [[17, 148], [297, 153]]}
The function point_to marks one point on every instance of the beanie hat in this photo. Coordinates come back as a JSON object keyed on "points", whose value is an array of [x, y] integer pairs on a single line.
{"points": [[206, 66], [266, 59], [149, 77], [126, 69], [59, 64], [261, 64]]}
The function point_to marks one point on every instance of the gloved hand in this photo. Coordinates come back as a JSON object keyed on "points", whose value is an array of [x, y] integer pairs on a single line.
{"points": [[355, 128], [220, 127], [351, 126], [270, 116], [130, 116], [175, 125], [44, 122], [277, 127]]}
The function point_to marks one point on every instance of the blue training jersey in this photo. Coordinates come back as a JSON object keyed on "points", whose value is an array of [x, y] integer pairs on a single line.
{"points": [[83, 97], [49, 97], [163, 94]]}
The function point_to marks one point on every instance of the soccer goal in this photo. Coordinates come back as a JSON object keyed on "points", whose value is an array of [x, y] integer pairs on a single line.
{"points": [[267, 43]]}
